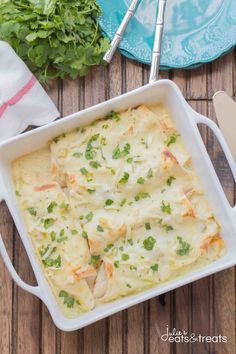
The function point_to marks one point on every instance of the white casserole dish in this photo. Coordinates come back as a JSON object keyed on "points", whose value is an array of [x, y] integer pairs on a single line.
{"points": [[185, 119]]}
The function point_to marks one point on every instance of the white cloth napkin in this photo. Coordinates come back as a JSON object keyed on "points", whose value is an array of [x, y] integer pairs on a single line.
{"points": [[23, 101]]}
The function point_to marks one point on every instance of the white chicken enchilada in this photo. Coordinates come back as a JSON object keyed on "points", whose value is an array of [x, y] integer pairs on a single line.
{"points": [[115, 208]]}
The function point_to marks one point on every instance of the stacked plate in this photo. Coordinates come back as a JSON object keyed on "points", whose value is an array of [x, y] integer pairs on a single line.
{"points": [[196, 31]]}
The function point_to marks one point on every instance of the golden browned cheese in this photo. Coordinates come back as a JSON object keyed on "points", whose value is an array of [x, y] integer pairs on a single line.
{"points": [[114, 208]]}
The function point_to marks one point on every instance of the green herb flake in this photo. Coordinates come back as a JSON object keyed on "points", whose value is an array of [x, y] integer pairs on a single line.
{"points": [[90, 151], [65, 206], [32, 211], [84, 171], [105, 126], [89, 216], [116, 264], [68, 300], [118, 153], [113, 115], [47, 223], [94, 259], [53, 236], [143, 142], [150, 173], [51, 206], [122, 203], [125, 257], [184, 248], [18, 194], [124, 178], [130, 242], [165, 207], [140, 180], [172, 139], [49, 262], [168, 228], [154, 267], [109, 202], [84, 234], [100, 228], [128, 285], [108, 247], [170, 180], [132, 267], [94, 164], [149, 243], [141, 195], [91, 190], [77, 154], [147, 226], [74, 232], [129, 160]]}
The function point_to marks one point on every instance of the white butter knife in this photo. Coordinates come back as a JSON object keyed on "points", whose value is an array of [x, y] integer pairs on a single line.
{"points": [[225, 108]]}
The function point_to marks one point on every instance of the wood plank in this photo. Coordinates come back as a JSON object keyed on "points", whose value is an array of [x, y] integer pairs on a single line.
{"points": [[28, 326], [197, 83], [95, 336], [224, 282], [6, 288], [222, 75]]}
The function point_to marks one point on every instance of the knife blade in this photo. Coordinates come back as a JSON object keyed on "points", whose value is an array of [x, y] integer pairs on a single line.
{"points": [[225, 108]]}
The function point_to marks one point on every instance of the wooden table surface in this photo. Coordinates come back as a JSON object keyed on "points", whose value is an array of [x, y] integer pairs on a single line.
{"points": [[206, 306]]}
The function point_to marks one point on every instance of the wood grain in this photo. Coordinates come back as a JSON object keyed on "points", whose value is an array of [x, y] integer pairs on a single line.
{"points": [[206, 306]]}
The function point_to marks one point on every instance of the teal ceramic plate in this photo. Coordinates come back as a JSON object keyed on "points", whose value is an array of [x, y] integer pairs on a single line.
{"points": [[196, 31]]}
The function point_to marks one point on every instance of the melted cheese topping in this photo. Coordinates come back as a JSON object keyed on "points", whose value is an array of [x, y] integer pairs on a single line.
{"points": [[115, 208]]}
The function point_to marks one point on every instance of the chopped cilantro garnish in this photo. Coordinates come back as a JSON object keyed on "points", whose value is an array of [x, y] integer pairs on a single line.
{"points": [[163, 190], [118, 153], [89, 216], [125, 257], [124, 178], [168, 228], [84, 234], [148, 226], [100, 228], [150, 173], [84, 171], [140, 180], [108, 247], [165, 207], [109, 202], [122, 203], [91, 190], [32, 211], [154, 267], [74, 232], [90, 151], [172, 139], [103, 141], [128, 285], [94, 164], [129, 160], [69, 301], [105, 126], [113, 115], [130, 242], [51, 206], [141, 195], [49, 262], [170, 180], [94, 259], [77, 154], [116, 264], [149, 243], [184, 248], [53, 235], [48, 223], [18, 194]]}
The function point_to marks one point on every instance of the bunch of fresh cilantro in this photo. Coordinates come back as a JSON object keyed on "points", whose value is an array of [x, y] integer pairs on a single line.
{"points": [[55, 38]]}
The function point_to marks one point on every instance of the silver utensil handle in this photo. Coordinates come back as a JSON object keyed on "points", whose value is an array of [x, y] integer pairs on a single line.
{"points": [[156, 51], [120, 32]]}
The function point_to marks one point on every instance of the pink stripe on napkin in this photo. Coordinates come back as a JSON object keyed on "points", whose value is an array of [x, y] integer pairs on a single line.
{"points": [[18, 96]]}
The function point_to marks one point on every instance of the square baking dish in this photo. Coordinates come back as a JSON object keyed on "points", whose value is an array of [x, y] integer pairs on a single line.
{"points": [[186, 120]]}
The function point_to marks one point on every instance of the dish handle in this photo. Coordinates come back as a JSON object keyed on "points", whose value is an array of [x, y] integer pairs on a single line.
{"points": [[212, 125], [35, 290]]}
